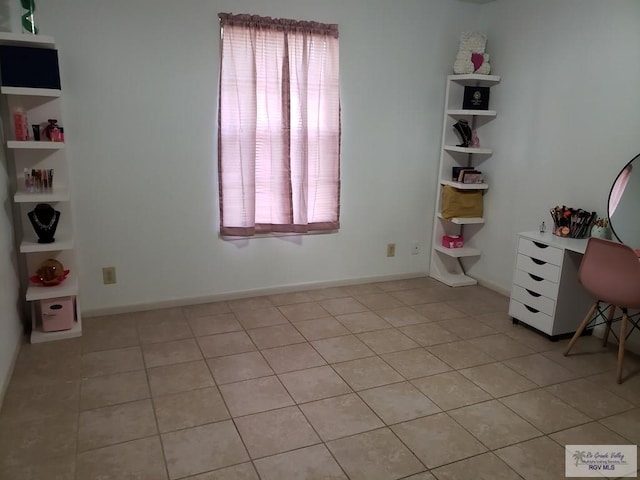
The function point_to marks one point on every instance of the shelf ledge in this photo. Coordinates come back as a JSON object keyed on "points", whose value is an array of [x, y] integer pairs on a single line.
{"points": [[32, 246], [458, 252], [465, 186], [475, 79], [454, 279], [31, 92], [27, 40], [68, 288], [472, 150], [38, 336], [57, 195], [463, 221], [470, 113], [34, 145]]}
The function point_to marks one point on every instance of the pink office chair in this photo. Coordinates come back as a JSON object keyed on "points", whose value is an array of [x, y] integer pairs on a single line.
{"points": [[610, 273]]}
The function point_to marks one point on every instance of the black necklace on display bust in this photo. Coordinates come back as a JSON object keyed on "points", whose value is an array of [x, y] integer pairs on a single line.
{"points": [[44, 219]]}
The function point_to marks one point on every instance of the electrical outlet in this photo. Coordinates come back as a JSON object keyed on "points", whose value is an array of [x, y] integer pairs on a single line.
{"points": [[416, 248], [391, 249], [109, 275]]}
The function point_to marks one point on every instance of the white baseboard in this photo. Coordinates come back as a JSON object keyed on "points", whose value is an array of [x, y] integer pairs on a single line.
{"points": [[493, 286], [183, 302], [632, 344]]}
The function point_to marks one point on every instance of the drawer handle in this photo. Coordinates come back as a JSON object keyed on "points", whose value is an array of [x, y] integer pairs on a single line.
{"points": [[533, 294], [535, 277], [532, 310], [538, 262], [540, 245]]}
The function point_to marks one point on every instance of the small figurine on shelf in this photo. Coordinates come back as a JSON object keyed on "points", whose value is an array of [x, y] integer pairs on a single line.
{"points": [[472, 57]]}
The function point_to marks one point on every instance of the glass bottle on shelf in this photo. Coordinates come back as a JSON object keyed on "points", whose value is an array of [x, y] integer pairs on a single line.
{"points": [[52, 131], [20, 127]]}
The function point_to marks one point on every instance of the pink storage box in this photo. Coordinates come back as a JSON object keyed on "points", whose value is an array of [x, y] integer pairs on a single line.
{"points": [[57, 314], [453, 241]]}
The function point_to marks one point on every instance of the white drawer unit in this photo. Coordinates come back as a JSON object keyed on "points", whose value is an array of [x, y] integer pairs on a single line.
{"points": [[546, 293], [530, 316], [538, 268], [540, 251], [533, 299], [535, 283]]}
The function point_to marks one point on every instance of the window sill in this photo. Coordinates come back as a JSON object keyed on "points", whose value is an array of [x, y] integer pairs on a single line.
{"points": [[276, 234]]}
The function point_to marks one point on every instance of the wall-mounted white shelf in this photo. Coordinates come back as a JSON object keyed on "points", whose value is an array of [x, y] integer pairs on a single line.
{"points": [[68, 288], [458, 252], [38, 336], [471, 113], [471, 150], [454, 279], [463, 221], [34, 145], [26, 40], [55, 195], [475, 80], [31, 92], [63, 242], [465, 186]]}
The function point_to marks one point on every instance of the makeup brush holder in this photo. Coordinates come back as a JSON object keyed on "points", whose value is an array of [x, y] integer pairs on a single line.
{"points": [[601, 232]]}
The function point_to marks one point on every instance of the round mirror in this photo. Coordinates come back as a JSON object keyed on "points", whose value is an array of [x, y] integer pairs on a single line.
{"points": [[624, 204]]}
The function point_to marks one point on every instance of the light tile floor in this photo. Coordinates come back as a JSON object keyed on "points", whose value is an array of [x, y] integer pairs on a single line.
{"points": [[402, 379]]}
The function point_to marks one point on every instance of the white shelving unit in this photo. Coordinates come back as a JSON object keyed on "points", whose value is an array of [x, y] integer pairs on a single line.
{"points": [[446, 263], [40, 105]]}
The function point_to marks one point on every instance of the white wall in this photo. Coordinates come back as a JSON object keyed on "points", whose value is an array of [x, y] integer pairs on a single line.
{"points": [[568, 115], [10, 324], [139, 81], [10, 305]]}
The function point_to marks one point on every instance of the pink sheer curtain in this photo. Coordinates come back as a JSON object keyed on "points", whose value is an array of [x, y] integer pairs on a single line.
{"points": [[279, 126], [618, 189]]}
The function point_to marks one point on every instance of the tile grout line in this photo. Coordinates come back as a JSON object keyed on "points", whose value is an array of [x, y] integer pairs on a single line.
{"points": [[153, 406], [226, 406]]}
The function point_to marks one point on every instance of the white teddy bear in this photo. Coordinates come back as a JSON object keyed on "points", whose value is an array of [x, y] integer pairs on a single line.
{"points": [[471, 55]]}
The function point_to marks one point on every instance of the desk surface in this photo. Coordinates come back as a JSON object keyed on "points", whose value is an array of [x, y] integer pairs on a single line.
{"points": [[572, 244]]}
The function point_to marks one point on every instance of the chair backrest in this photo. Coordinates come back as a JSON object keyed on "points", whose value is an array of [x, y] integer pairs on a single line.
{"points": [[610, 272]]}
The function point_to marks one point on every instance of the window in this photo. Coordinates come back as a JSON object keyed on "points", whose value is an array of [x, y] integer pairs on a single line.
{"points": [[278, 126]]}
